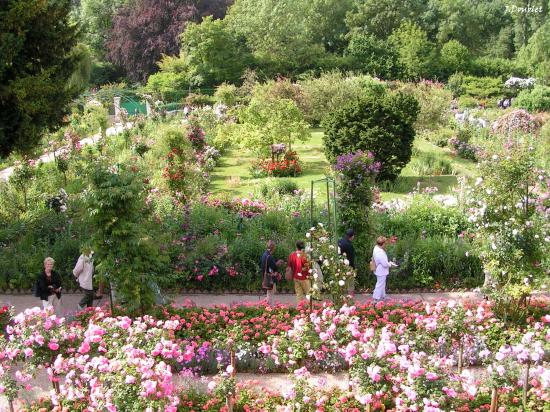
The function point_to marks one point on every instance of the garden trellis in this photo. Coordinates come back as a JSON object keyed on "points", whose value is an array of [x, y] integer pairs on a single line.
{"points": [[330, 182]]}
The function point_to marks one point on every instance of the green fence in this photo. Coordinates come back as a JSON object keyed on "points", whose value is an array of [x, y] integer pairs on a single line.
{"points": [[133, 107]]}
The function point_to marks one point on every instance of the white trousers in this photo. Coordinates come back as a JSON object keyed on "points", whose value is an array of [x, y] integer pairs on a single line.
{"points": [[380, 288], [55, 303]]}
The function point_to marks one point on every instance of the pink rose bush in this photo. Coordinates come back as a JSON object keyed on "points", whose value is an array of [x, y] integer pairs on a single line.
{"points": [[400, 356]]}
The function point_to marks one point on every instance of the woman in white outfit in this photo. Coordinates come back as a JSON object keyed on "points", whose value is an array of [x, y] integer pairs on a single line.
{"points": [[382, 270]]}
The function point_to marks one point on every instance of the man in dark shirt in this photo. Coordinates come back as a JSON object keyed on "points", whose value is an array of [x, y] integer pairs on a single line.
{"points": [[269, 270], [345, 248]]}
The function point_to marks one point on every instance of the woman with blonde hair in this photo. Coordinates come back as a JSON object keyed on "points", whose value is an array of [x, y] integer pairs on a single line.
{"points": [[48, 287]]}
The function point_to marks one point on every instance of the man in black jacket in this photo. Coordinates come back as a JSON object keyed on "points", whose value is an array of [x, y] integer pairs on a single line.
{"points": [[345, 248]]}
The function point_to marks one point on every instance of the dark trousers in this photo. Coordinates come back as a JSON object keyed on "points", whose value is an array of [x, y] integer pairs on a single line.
{"points": [[88, 298]]}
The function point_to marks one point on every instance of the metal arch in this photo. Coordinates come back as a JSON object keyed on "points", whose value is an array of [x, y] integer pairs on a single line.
{"points": [[332, 216]]}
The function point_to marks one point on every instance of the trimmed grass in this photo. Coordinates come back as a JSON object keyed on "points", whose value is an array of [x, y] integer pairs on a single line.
{"points": [[232, 176]]}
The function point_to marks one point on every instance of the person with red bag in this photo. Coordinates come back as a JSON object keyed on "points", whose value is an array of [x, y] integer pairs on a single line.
{"points": [[298, 270]]}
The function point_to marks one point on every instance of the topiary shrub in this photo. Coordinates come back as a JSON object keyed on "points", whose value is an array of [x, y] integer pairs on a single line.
{"points": [[381, 125]]}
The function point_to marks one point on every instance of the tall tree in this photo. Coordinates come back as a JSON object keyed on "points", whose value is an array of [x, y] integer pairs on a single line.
{"points": [[97, 19], [289, 36], [36, 61], [213, 53], [471, 22], [146, 29], [381, 17], [415, 51]]}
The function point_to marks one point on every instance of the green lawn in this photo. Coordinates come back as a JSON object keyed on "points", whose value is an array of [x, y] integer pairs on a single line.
{"points": [[232, 175]]}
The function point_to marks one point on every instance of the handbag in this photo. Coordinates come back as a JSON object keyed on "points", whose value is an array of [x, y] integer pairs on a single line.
{"points": [[267, 279], [372, 265], [289, 273]]}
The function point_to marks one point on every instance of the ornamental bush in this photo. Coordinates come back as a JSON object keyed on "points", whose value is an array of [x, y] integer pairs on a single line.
{"points": [[509, 207], [356, 173], [381, 125], [535, 100]]}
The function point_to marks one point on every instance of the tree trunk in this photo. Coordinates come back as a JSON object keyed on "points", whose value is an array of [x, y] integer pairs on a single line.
{"points": [[494, 400], [233, 363], [526, 385], [460, 355], [10, 403]]}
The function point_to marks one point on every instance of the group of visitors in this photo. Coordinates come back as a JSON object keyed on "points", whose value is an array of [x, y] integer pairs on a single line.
{"points": [[48, 285], [504, 103], [299, 268]]}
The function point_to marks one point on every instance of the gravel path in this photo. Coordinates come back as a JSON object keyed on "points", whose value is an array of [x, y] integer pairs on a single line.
{"points": [[70, 300], [49, 157]]}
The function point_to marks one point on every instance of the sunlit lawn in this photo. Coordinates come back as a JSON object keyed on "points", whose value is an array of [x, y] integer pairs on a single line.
{"points": [[232, 176]]}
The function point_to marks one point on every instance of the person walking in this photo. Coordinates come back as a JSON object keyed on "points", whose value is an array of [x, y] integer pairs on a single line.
{"points": [[83, 272], [299, 265], [48, 287], [382, 268], [270, 274], [345, 248]]}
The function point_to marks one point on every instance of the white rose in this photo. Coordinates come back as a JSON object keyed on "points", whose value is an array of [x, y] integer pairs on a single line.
{"points": [[308, 235], [341, 282]]}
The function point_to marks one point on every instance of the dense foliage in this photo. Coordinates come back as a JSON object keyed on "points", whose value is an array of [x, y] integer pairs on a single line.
{"points": [[145, 30], [36, 62], [383, 126]]}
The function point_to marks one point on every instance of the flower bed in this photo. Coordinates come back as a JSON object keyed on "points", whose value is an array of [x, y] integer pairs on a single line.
{"points": [[288, 167], [405, 356]]}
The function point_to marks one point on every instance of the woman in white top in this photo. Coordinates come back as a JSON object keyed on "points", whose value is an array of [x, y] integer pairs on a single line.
{"points": [[382, 270], [83, 272]]}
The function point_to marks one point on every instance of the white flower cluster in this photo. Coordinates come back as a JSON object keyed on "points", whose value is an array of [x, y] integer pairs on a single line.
{"points": [[519, 83]]}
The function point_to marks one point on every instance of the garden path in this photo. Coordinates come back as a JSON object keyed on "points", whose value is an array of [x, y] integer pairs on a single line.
{"points": [[70, 300], [49, 157]]}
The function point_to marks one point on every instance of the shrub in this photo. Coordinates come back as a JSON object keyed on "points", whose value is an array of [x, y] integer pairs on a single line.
{"points": [[535, 100], [456, 84], [279, 187], [227, 94], [263, 122], [181, 175], [468, 102], [482, 87], [463, 149], [381, 125], [434, 102], [356, 173], [497, 67], [509, 207], [198, 100], [424, 217], [434, 262], [454, 57], [129, 254], [282, 88], [332, 90], [439, 137], [517, 121]]}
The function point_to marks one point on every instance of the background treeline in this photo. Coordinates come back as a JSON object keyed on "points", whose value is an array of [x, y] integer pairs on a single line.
{"points": [[188, 43]]}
